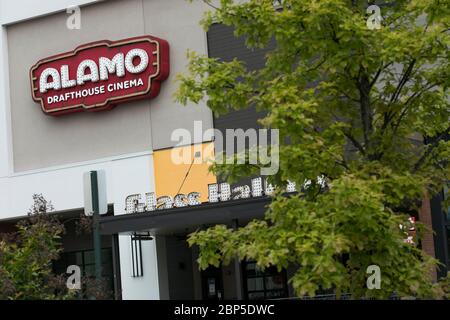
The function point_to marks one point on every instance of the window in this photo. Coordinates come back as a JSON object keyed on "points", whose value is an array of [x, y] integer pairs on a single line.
{"points": [[86, 261], [267, 284]]}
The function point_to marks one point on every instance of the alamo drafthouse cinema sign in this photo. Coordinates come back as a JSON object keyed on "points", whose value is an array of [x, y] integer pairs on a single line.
{"points": [[98, 75]]}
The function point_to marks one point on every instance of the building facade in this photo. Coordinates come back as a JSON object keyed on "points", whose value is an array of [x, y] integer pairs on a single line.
{"points": [[145, 253]]}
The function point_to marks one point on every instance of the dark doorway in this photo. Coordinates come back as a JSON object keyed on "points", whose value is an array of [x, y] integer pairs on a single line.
{"points": [[212, 284]]}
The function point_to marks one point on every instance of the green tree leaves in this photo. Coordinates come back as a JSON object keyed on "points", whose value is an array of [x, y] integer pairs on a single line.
{"points": [[26, 261], [356, 105]]}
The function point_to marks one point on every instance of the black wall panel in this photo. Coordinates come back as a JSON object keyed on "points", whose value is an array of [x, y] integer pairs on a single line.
{"points": [[224, 45]]}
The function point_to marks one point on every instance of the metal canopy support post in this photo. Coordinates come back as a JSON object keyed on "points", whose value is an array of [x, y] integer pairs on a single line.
{"points": [[96, 222], [116, 267], [238, 271]]}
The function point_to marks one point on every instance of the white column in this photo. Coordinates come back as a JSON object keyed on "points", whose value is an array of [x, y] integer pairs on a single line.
{"points": [[6, 166], [140, 288], [136, 177]]}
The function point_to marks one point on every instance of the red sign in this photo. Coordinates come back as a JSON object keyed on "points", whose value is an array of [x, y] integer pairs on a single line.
{"points": [[99, 75]]}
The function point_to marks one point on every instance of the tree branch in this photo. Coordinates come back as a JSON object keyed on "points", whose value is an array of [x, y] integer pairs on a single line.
{"points": [[355, 142], [365, 107], [403, 81], [431, 147], [407, 105]]}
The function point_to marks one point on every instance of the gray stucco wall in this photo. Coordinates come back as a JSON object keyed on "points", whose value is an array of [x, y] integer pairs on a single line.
{"points": [[41, 141]]}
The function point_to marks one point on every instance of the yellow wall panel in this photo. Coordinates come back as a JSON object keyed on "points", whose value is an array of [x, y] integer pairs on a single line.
{"points": [[172, 165]]}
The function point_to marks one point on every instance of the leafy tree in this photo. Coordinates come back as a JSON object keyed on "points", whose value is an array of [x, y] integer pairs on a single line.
{"points": [[27, 256], [368, 110]]}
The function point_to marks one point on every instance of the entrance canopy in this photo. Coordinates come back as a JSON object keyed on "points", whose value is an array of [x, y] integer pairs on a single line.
{"points": [[179, 220]]}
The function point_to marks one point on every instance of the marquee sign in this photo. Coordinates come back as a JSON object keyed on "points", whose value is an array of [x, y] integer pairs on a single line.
{"points": [[217, 192], [99, 75]]}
